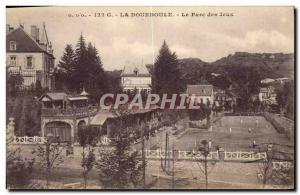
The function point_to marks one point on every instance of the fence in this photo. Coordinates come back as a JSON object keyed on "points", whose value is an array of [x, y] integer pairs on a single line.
{"points": [[282, 165], [196, 155], [244, 156], [29, 140], [179, 155], [80, 112], [278, 125]]}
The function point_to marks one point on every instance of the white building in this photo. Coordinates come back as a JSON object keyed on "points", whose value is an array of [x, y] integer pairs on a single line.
{"points": [[267, 94], [135, 79], [202, 93], [282, 80], [267, 80], [30, 55]]}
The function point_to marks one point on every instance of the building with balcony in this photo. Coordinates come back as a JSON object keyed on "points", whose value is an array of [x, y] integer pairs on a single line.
{"points": [[63, 114], [136, 80], [30, 55]]}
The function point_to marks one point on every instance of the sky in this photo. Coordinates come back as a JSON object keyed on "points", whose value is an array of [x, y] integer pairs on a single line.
{"points": [[134, 41]]}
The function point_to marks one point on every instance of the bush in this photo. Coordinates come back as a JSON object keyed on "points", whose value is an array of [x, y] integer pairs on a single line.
{"points": [[18, 171]]}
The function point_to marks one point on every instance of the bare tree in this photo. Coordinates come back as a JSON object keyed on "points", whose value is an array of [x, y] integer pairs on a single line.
{"points": [[88, 138], [205, 165], [49, 156], [268, 174]]}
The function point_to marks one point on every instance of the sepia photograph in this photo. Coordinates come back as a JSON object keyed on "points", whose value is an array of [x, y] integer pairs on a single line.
{"points": [[150, 98]]}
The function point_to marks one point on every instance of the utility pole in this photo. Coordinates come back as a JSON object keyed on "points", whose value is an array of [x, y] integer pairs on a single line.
{"points": [[143, 156], [173, 168], [168, 170], [166, 150], [205, 170], [161, 148]]}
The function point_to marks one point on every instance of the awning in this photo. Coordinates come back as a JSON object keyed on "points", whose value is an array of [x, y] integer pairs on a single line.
{"points": [[101, 117]]}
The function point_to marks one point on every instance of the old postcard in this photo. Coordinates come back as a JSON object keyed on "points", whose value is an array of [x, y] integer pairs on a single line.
{"points": [[168, 98]]}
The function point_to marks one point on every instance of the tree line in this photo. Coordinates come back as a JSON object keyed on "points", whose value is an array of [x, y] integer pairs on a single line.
{"points": [[81, 68]]}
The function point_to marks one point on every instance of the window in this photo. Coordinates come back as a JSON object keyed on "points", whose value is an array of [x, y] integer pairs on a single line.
{"points": [[29, 63], [12, 46], [13, 60]]}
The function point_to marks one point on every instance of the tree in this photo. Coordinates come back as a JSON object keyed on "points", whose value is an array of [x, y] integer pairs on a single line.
{"points": [[221, 81], [204, 164], [114, 83], [13, 83], [120, 167], [18, 170], [87, 138], [285, 99], [247, 82], [267, 174], [96, 83], [82, 68], [49, 156], [29, 120], [65, 70], [66, 64], [199, 114], [38, 88], [166, 75]]}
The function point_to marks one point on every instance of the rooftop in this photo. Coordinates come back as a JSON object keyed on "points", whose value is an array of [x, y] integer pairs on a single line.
{"points": [[24, 42], [140, 71], [200, 90], [53, 96]]}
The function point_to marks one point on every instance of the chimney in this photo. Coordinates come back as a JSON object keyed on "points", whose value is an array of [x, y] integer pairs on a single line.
{"points": [[34, 32], [9, 28], [37, 35]]}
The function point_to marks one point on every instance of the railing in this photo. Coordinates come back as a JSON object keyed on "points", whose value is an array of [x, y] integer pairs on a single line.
{"points": [[244, 156], [196, 155], [282, 165], [29, 140], [18, 70], [28, 72], [180, 155], [187, 155], [84, 111]]}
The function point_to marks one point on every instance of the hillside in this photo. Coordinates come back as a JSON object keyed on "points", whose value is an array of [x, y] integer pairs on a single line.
{"points": [[270, 65]]}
